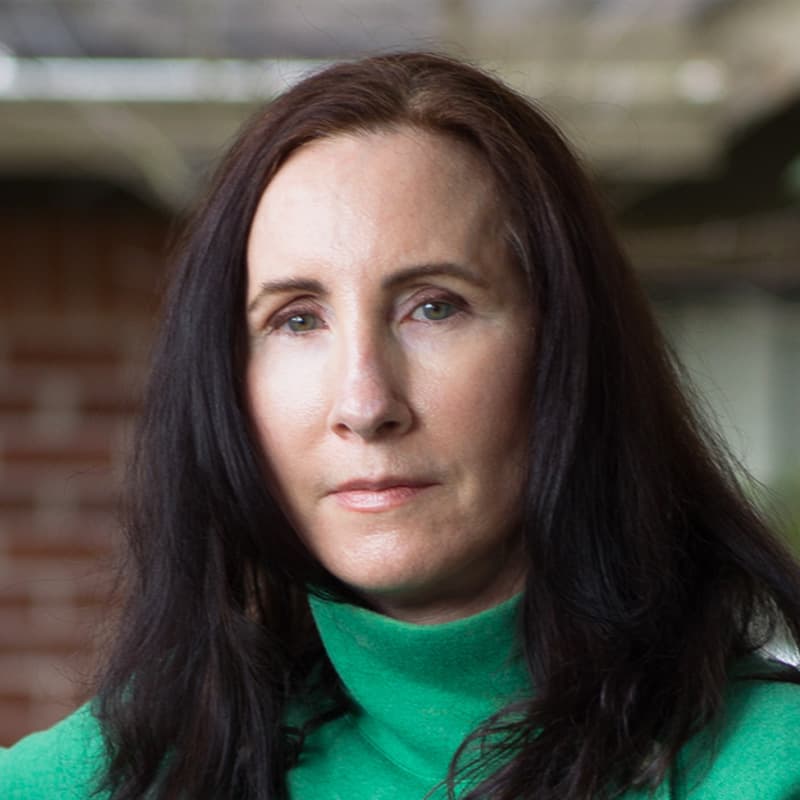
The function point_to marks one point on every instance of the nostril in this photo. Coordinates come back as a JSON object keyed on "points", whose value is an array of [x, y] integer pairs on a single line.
{"points": [[389, 419]]}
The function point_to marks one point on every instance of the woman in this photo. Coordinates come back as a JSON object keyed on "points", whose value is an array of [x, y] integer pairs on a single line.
{"points": [[418, 505]]}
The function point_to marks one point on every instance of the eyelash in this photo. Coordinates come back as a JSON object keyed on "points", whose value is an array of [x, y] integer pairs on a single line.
{"points": [[277, 323], [283, 317]]}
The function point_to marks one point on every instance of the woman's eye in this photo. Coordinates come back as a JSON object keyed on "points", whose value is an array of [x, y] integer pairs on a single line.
{"points": [[302, 323], [434, 311]]}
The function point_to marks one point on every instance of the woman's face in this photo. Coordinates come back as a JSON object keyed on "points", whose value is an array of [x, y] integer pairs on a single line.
{"points": [[389, 369]]}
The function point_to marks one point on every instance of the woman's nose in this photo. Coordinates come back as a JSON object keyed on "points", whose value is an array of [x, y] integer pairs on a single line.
{"points": [[369, 398]]}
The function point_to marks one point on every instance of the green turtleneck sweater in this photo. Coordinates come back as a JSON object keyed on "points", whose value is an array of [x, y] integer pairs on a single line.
{"points": [[417, 691]]}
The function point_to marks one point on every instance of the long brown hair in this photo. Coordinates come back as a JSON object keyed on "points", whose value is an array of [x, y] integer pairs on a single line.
{"points": [[649, 570]]}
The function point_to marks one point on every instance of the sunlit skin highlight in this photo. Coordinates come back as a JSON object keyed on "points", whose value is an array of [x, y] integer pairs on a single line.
{"points": [[389, 369]]}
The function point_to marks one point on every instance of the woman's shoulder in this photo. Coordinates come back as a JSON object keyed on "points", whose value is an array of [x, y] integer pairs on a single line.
{"points": [[61, 762], [754, 752]]}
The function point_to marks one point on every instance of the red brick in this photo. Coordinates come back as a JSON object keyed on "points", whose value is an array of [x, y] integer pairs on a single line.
{"points": [[62, 548], [16, 718], [34, 716], [70, 456], [60, 522], [78, 581], [16, 499], [39, 689], [77, 316], [113, 403], [50, 630], [24, 490], [35, 673], [62, 354], [83, 263], [12, 402], [18, 602], [61, 425], [90, 381]]}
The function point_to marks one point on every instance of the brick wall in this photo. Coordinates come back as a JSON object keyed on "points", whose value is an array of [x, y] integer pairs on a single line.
{"points": [[78, 286]]}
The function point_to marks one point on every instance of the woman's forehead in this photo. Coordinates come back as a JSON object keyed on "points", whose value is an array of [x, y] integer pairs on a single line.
{"points": [[386, 160], [380, 195]]}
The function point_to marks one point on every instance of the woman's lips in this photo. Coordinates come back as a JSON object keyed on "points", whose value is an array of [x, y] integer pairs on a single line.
{"points": [[371, 499]]}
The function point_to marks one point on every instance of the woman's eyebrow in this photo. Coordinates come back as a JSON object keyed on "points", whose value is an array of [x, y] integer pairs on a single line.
{"points": [[437, 268], [286, 285], [405, 275]]}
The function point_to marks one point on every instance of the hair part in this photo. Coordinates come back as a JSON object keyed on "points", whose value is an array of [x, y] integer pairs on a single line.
{"points": [[649, 570]]}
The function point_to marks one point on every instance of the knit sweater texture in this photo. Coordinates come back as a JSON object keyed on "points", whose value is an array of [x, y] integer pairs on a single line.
{"points": [[417, 692]]}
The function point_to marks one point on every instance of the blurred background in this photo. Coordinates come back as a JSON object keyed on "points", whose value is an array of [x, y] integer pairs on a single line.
{"points": [[112, 113]]}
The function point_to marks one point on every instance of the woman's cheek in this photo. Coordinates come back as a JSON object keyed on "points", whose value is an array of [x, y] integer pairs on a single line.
{"points": [[483, 358], [287, 384]]}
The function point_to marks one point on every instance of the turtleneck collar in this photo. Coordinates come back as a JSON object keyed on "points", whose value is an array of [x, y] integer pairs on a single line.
{"points": [[419, 690]]}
